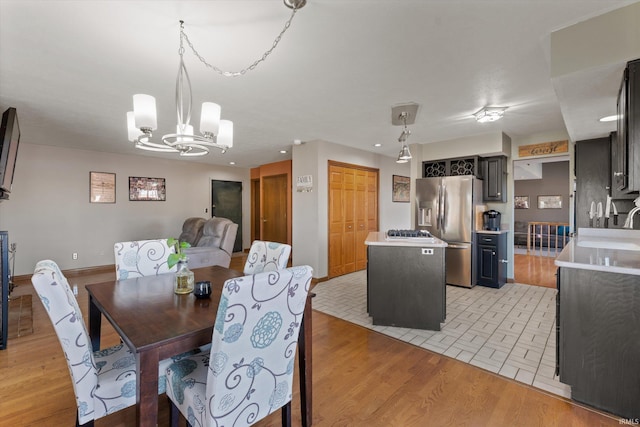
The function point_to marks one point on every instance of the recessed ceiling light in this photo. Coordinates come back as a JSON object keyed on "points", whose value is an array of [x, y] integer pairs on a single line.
{"points": [[283, 151], [377, 145], [232, 163], [609, 118]]}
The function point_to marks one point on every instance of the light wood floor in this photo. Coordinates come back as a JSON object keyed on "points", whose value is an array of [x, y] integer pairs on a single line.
{"points": [[535, 270], [361, 378]]}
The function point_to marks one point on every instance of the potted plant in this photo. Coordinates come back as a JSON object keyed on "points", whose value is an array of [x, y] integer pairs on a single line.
{"points": [[184, 277]]}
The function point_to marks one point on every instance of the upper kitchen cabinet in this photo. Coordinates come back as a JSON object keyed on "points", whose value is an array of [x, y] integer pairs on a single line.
{"points": [[451, 167], [616, 192], [626, 172], [494, 179]]}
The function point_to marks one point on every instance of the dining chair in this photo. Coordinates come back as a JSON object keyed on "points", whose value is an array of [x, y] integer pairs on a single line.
{"points": [[104, 381], [248, 373], [142, 258], [266, 256]]}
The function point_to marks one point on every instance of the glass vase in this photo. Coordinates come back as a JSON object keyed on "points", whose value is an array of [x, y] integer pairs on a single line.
{"points": [[184, 279]]}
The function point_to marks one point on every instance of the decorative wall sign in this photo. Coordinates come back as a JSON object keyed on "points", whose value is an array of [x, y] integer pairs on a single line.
{"points": [[544, 148], [549, 202], [304, 183], [102, 187], [142, 189], [521, 202], [401, 188]]}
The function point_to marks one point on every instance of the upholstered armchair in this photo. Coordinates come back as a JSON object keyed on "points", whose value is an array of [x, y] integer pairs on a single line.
{"points": [[248, 373], [142, 258], [103, 381], [192, 230], [266, 256], [215, 247]]}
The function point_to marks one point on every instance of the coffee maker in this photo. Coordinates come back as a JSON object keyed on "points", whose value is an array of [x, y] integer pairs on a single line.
{"points": [[491, 220]]}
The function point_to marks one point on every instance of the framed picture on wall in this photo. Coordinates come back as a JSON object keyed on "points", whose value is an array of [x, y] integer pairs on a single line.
{"points": [[401, 188], [102, 187], [521, 202], [147, 189], [549, 202]]}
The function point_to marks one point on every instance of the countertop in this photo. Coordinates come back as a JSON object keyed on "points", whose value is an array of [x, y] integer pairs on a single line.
{"points": [[601, 249], [379, 238]]}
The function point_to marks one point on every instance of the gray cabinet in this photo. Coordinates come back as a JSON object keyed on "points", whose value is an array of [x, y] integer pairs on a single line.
{"points": [[406, 286], [625, 169], [592, 165], [615, 177], [599, 339], [452, 167], [492, 259], [494, 179]]}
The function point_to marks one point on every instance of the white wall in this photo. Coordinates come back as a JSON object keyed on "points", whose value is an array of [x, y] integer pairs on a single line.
{"points": [[310, 209], [49, 214]]}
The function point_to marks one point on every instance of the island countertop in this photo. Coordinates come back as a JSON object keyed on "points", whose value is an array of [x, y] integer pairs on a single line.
{"points": [[608, 250], [379, 238]]}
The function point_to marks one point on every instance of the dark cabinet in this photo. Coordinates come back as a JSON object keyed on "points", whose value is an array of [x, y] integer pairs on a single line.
{"points": [[592, 178], [406, 286], [626, 174], [599, 335], [451, 167], [615, 176], [492, 262], [494, 179]]}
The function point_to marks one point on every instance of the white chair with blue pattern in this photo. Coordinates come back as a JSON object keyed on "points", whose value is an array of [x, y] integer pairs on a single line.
{"points": [[142, 258], [266, 256], [248, 373], [104, 381]]}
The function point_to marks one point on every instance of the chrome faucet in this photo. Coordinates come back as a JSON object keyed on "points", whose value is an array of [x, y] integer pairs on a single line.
{"points": [[628, 223]]}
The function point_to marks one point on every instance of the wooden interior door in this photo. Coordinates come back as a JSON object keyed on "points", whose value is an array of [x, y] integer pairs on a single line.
{"points": [[336, 221], [353, 213], [273, 209]]}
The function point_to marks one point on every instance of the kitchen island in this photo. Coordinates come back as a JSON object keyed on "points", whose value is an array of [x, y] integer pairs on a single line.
{"points": [[598, 319], [406, 281]]}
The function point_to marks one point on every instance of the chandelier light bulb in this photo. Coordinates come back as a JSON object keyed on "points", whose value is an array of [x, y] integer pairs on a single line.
{"points": [[144, 108], [225, 137], [209, 118]]}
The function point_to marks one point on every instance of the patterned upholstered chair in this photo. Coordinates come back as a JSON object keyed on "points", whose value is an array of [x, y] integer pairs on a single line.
{"points": [[103, 381], [249, 371], [266, 256], [142, 258]]}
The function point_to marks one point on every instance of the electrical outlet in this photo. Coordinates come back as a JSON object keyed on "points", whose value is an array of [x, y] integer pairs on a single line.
{"points": [[75, 255]]}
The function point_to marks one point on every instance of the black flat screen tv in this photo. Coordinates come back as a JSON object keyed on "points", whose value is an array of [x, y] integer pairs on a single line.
{"points": [[9, 141]]}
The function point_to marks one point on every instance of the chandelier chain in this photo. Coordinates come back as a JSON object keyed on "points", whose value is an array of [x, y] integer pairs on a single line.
{"points": [[250, 67]]}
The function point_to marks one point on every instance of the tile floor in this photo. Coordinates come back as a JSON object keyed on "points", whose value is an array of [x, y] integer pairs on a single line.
{"points": [[508, 331]]}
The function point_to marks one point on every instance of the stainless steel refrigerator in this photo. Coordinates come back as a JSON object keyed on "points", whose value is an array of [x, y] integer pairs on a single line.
{"points": [[445, 206]]}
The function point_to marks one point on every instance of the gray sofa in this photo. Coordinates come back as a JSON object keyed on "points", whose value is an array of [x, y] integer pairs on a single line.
{"points": [[211, 241]]}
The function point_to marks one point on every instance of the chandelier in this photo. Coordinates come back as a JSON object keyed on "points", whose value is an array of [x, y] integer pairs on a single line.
{"points": [[214, 132]]}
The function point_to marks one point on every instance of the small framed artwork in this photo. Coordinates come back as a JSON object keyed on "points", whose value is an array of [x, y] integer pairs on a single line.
{"points": [[401, 188], [549, 202], [102, 187], [521, 202], [147, 189]]}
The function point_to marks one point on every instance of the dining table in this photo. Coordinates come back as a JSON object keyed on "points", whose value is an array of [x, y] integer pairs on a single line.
{"points": [[155, 323]]}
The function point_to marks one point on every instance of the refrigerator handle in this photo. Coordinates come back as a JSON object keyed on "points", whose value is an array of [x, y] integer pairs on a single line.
{"points": [[438, 216], [443, 208]]}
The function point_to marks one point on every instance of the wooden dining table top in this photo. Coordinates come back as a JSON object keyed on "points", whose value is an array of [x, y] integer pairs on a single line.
{"points": [[147, 313]]}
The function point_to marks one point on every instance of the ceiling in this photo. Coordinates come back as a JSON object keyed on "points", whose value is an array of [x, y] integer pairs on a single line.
{"points": [[71, 68]]}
